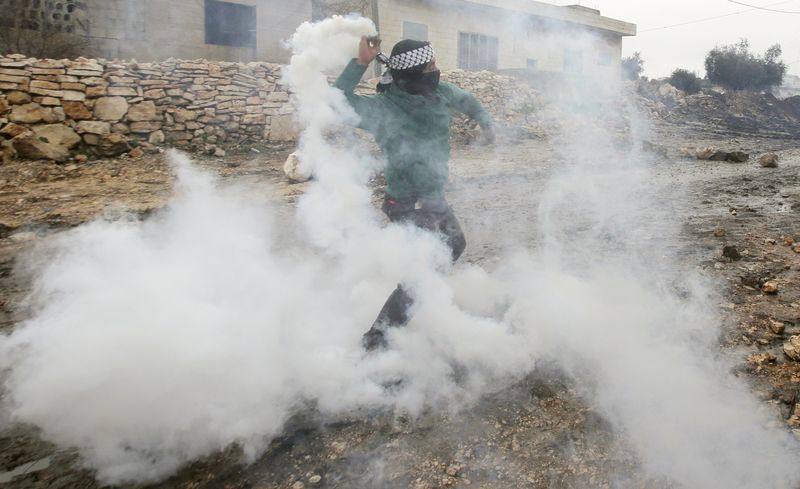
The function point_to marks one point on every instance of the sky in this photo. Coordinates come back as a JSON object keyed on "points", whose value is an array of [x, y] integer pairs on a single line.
{"points": [[686, 46]]}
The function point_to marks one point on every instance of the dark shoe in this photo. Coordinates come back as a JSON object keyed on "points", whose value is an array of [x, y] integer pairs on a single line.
{"points": [[374, 339]]}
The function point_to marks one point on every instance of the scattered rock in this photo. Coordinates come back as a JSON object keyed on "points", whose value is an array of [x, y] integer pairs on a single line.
{"points": [[338, 447], [295, 171], [23, 237], [136, 153], [51, 142], [720, 232], [769, 160], [713, 154], [776, 327], [219, 152], [762, 359], [751, 280], [737, 157], [157, 137], [719, 156], [298, 485], [81, 158], [705, 154], [667, 89], [315, 479], [792, 348], [770, 287], [113, 144], [731, 252]]}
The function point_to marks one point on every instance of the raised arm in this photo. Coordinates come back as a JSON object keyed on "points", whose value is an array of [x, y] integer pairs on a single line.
{"points": [[366, 106]]}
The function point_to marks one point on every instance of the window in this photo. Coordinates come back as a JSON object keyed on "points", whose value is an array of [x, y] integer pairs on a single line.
{"points": [[532, 64], [573, 61], [412, 30], [477, 52], [230, 24], [605, 59]]}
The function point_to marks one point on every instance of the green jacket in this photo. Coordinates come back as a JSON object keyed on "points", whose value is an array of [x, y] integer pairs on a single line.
{"points": [[412, 130]]}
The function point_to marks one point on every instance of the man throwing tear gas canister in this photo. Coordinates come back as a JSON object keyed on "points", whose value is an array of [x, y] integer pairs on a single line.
{"points": [[410, 119]]}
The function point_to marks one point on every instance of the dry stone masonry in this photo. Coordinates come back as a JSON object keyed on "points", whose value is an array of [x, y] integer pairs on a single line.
{"points": [[57, 109], [54, 108]]}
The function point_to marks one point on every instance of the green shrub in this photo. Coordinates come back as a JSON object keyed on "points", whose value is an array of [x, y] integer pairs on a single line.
{"points": [[736, 68], [686, 80]]}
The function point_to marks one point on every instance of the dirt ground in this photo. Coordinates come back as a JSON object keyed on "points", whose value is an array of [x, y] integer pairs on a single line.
{"points": [[538, 433]]}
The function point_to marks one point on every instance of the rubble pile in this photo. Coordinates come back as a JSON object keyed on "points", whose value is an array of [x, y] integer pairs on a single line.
{"points": [[727, 111], [54, 109], [513, 104]]}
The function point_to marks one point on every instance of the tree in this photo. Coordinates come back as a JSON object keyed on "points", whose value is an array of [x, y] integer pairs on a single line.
{"points": [[686, 80], [632, 66], [39, 30], [735, 67]]}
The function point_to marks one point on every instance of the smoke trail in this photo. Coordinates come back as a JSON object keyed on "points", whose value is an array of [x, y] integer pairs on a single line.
{"points": [[160, 342]]}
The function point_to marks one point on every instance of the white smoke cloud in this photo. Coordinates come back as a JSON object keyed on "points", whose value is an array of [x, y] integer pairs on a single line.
{"points": [[160, 342]]}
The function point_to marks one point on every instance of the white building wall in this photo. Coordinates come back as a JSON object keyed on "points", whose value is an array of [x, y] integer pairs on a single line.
{"points": [[157, 29], [521, 37]]}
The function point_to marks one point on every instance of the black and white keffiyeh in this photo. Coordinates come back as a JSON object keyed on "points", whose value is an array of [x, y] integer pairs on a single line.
{"points": [[407, 56], [410, 59]]}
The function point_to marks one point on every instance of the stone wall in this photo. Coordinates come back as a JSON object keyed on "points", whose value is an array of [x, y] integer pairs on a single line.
{"points": [[55, 108]]}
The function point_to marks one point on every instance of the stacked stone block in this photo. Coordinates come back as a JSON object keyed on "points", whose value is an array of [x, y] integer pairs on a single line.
{"points": [[55, 109], [197, 104]]}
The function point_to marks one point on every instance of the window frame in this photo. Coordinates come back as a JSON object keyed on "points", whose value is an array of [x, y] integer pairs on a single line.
{"points": [[487, 48], [415, 24], [219, 17]]}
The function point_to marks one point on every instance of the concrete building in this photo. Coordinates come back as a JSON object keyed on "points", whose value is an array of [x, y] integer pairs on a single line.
{"points": [[146, 30], [506, 35]]}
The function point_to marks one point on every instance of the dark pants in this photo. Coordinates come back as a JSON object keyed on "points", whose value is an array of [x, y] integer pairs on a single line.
{"points": [[434, 215]]}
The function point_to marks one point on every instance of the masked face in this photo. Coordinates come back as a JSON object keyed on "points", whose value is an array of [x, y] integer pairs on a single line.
{"points": [[431, 80], [422, 84]]}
